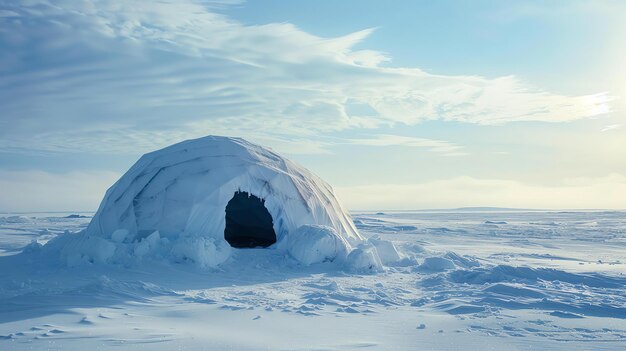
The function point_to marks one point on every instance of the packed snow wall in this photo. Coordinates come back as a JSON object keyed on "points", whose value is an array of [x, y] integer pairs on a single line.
{"points": [[183, 190]]}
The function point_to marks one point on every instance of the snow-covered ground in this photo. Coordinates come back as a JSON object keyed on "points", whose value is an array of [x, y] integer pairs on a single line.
{"points": [[466, 281]]}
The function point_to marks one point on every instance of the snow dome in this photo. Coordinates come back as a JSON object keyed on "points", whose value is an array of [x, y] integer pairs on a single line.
{"points": [[225, 189]]}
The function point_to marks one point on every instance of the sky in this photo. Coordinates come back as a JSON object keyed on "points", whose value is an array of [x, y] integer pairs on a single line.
{"points": [[401, 105]]}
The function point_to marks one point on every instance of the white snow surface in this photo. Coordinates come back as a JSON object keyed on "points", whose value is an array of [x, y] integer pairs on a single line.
{"points": [[171, 205], [311, 244], [446, 281]]}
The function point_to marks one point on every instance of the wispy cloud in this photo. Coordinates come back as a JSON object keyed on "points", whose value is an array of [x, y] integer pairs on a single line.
{"points": [[133, 75], [611, 127], [438, 146]]}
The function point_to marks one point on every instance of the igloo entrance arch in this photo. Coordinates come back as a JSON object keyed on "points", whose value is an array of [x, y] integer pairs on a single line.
{"points": [[248, 222]]}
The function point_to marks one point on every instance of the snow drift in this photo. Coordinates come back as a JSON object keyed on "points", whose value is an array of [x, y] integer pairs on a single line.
{"points": [[172, 203]]}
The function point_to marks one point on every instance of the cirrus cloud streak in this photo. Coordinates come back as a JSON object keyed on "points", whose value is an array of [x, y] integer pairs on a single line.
{"points": [[121, 76]]}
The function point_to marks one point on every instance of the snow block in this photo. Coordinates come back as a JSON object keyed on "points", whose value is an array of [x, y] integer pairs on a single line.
{"points": [[148, 245], [87, 249], [364, 259], [386, 250], [119, 235], [436, 264], [311, 244], [204, 252]]}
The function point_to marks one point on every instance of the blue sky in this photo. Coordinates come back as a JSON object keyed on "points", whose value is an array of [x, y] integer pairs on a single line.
{"points": [[408, 105]]}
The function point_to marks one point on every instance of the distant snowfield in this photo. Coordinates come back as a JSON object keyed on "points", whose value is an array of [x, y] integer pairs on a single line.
{"points": [[465, 281]]}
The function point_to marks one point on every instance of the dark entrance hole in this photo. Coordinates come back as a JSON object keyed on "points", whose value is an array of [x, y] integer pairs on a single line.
{"points": [[248, 223]]}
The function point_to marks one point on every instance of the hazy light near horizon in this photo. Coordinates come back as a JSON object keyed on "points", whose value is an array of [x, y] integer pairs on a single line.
{"points": [[34, 191], [576, 194]]}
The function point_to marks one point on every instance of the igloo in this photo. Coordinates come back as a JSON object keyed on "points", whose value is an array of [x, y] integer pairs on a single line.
{"points": [[222, 188]]}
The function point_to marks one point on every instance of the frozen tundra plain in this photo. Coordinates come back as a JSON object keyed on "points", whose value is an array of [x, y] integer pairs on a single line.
{"points": [[461, 280]]}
